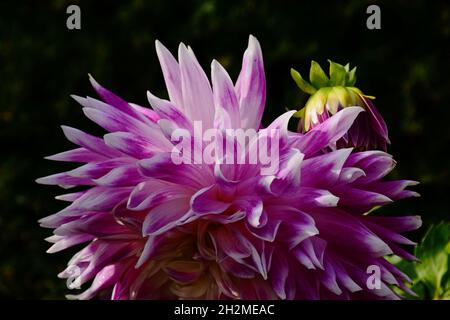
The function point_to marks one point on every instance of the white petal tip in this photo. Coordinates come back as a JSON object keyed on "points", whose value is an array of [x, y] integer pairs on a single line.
{"points": [[93, 81]]}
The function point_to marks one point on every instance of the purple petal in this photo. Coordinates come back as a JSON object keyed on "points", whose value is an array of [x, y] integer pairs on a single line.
{"points": [[310, 252], [279, 275], [165, 216], [206, 200], [376, 119], [268, 232], [296, 227]]}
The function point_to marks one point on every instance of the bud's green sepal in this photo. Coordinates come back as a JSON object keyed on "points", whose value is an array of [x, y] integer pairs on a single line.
{"points": [[333, 92]]}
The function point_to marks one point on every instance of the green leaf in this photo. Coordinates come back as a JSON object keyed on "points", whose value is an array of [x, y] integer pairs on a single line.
{"points": [[317, 76], [351, 78], [337, 74], [433, 253], [301, 83], [347, 67], [300, 113]]}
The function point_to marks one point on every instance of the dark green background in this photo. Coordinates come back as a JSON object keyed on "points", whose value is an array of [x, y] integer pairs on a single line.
{"points": [[405, 65]]}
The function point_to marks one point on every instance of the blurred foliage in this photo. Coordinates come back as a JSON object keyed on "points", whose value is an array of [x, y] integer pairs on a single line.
{"points": [[405, 65], [431, 274]]}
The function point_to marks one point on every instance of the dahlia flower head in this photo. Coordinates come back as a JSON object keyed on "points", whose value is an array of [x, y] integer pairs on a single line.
{"points": [[333, 93], [155, 229]]}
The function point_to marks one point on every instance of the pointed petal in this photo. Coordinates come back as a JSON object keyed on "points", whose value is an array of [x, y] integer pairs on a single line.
{"points": [[89, 142], [206, 201], [165, 216], [224, 94], [171, 73], [77, 155], [167, 110], [197, 94], [161, 166], [251, 86], [326, 133]]}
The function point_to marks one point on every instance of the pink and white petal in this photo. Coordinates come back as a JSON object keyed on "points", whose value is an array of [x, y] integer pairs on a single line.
{"points": [[102, 198], [65, 180], [207, 201], [398, 224], [128, 143], [89, 142], [166, 110], [350, 174], [279, 274], [375, 167], [153, 192], [77, 155], [326, 133], [171, 73], [310, 252], [296, 227], [124, 123], [324, 170], [94, 170], [165, 216], [149, 113], [104, 279], [394, 189], [197, 93], [224, 94], [268, 232], [328, 278], [121, 176], [341, 228], [354, 197], [228, 243], [115, 101], [64, 242], [251, 86], [376, 119], [161, 166], [70, 197]]}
